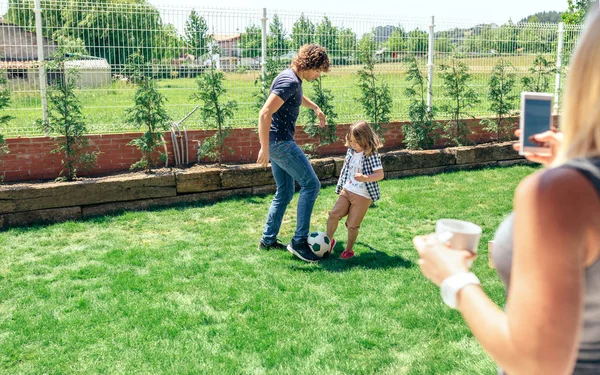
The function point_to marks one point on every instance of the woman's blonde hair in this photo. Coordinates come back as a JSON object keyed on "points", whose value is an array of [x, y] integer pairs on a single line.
{"points": [[580, 120], [364, 136]]}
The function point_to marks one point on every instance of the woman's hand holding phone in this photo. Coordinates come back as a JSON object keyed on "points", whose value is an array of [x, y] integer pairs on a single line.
{"points": [[551, 137]]}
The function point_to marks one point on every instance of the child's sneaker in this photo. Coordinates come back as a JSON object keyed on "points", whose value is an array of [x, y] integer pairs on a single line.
{"points": [[331, 247], [347, 254]]}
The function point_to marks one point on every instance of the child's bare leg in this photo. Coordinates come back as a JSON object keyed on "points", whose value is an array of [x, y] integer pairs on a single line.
{"points": [[356, 213], [339, 210], [352, 236], [332, 224]]}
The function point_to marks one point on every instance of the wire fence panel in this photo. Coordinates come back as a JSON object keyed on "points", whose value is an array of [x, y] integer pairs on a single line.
{"points": [[174, 45]]}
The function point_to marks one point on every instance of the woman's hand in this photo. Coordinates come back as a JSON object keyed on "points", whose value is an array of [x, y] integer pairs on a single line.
{"points": [[551, 137], [439, 261]]}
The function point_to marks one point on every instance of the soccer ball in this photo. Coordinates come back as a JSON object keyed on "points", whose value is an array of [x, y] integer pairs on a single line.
{"points": [[319, 243]]}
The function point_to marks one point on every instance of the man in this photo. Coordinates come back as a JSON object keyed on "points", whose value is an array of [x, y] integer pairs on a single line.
{"points": [[276, 127]]}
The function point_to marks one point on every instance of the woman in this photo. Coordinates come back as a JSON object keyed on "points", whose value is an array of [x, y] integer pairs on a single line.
{"points": [[548, 250]]}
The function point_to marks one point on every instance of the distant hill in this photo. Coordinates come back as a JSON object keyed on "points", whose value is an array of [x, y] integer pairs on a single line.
{"points": [[543, 17]]}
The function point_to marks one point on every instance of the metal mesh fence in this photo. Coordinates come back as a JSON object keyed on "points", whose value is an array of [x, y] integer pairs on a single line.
{"points": [[177, 44]]}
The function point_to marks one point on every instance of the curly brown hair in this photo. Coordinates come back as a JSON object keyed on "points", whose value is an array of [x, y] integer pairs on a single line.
{"points": [[311, 57]]}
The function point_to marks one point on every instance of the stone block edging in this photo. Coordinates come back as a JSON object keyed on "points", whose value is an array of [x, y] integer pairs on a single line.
{"points": [[27, 203]]}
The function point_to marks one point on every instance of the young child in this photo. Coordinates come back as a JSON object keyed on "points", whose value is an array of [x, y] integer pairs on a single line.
{"points": [[357, 186]]}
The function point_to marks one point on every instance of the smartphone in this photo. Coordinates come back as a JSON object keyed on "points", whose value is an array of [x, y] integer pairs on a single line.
{"points": [[536, 117]]}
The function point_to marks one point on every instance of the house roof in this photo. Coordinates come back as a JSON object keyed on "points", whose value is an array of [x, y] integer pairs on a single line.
{"points": [[19, 44], [226, 37]]}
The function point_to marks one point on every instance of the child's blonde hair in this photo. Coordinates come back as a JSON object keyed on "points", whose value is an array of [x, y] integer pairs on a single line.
{"points": [[364, 136]]}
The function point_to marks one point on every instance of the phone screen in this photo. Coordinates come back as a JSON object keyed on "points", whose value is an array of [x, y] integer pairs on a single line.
{"points": [[537, 119]]}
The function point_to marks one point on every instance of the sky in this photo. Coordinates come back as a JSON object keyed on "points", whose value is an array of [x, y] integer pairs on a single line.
{"points": [[478, 11]]}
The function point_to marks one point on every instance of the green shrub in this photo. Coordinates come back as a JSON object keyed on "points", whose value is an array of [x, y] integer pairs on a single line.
{"points": [[503, 99], [540, 75], [456, 78], [148, 113], [421, 132], [66, 122], [324, 99], [4, 119], [375, 95], [215, 113]]}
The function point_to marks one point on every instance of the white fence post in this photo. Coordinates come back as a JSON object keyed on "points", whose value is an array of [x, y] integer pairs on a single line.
{"points": [[40, 47], [561, 34], [263, 59], [430, 65]]}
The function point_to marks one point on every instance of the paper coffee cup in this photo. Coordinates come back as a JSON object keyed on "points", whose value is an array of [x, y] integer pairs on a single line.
{"points": [[460, 235]]}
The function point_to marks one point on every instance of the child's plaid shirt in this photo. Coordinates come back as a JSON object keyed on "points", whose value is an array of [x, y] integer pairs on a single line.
{"points": [[368, 164]]}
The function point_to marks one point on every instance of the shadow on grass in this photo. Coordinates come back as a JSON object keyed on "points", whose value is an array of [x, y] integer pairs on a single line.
{"points": [[373, 259]]}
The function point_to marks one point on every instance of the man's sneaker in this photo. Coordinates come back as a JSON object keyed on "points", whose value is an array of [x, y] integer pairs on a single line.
{"points": [[262, 245], [302, 251]]}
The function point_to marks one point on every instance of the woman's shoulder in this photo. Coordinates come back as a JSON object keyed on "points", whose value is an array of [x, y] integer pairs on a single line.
{"points": [[561, 188]]}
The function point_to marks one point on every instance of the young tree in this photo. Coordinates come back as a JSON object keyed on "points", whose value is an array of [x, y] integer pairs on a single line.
{"points": [[67, 122], [347, 43], [251, 41], [324, 99], [418, 42], [456, 78], [111, 29], [396, 43], [327, 36], [196, 37], [540, 75], [277, 43], [303, 32], [577, 11], [503, 99], [215, 112], [4, 119], [148, 113], [420, 134], [375, 96]]}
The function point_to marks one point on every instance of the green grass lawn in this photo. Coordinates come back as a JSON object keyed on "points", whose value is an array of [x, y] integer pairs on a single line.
{"points": [[105, 107], [184, 290]]}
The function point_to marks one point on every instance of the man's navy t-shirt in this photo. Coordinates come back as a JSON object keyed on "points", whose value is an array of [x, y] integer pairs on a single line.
{"points": [[288, 87]]}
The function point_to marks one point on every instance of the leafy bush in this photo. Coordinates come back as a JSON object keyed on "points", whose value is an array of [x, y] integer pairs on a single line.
{"points": [[540, 75], [214, 112], [375, 96], [4, 119], [456, 78], [503, 99], [148, 113], [66, 120], [324, 99], [421, 132]]}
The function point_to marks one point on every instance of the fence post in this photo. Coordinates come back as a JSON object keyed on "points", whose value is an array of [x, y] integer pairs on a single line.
{"points": [[40, 47], [430, 65], [263, 59], [561, 34]]}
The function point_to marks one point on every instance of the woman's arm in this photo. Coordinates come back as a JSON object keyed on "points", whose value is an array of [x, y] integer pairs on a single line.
{"points": [[539, 333]]}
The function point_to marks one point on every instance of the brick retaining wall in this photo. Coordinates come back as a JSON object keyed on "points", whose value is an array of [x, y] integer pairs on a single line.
{"points": [[30, 158]]}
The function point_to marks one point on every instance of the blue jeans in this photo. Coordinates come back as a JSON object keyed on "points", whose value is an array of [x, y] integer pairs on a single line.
{"points": [[289, 164]]}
